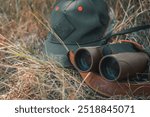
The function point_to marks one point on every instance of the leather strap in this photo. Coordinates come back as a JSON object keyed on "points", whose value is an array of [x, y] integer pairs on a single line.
{"points": [[108, 37], [107, 88]]}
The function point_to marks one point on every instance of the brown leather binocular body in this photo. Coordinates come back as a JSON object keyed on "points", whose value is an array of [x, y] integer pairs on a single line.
{"points": [[113, 61]]}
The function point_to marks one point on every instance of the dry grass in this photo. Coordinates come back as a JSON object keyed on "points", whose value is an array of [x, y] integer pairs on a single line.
{"points": [[24, 71]]}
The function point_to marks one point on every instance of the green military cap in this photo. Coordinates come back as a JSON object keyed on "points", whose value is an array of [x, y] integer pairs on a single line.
{"points": [[76, 22]]}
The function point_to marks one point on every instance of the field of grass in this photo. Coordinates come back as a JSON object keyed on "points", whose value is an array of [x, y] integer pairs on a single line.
{"points": [[24, 71]]}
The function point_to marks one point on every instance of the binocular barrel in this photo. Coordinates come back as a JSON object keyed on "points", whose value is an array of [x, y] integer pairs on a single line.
{"points": [[88, 58], [123, 65], [113, 61]]}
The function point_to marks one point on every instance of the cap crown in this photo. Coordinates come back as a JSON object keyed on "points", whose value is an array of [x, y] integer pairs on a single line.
{"points": [[79, 21]]}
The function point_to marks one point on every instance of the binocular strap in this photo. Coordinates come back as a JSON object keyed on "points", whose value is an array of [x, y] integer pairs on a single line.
{"points": [[108, 88]]}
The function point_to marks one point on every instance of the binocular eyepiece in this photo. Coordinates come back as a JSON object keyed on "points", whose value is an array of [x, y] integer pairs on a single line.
{"points": [[123, 65], [87, 59], [112, 61]]}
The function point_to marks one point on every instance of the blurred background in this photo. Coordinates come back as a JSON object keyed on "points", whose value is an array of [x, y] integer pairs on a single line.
{"points": [[25, 74]]}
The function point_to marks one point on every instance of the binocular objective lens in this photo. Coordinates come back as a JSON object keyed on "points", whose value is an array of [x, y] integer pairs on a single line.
{"points": [[83, 60], [110, 68]]}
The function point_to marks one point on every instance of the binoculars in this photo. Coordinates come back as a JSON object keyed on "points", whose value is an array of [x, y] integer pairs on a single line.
{"points": [[112, 61]]}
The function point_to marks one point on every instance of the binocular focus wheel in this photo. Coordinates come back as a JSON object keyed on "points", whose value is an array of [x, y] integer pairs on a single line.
{"points": [[107, 88]]}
